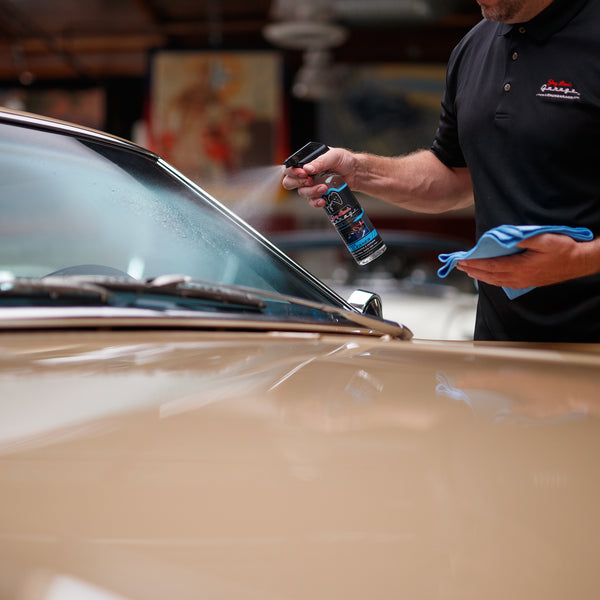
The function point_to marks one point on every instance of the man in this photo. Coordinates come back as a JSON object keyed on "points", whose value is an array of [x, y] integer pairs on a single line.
{"points": [[518, 135]]}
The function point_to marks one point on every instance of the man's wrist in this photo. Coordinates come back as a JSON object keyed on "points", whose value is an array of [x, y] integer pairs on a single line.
{"points": [[590, 256]]}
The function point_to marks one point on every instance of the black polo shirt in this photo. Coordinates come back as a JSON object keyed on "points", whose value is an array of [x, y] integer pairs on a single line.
{"points": [[522, 111]]}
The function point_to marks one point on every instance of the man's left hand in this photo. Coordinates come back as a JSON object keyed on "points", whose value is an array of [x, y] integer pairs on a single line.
{"points": [[548, 258]]}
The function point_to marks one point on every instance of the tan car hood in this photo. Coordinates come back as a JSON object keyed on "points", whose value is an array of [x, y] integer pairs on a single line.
{"points": [[293, 466]]}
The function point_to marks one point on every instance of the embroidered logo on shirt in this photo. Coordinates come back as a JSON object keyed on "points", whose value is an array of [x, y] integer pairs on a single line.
{"points": [[562, 90]]}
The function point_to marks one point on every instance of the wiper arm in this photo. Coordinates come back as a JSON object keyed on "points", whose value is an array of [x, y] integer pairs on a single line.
{"points": [[385, 327]]}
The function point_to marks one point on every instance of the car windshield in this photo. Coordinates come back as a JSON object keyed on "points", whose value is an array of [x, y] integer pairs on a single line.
{"points": [[76, 205]]}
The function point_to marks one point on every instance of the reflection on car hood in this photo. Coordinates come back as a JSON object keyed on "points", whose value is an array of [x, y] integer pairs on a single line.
{"points": [[296, 465]]}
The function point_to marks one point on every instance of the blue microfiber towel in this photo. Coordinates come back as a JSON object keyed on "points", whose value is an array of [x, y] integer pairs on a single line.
{"points": [[503, 240]]}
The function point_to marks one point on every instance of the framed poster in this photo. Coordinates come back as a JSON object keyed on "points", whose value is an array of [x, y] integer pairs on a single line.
{"points": [[216, 113]]}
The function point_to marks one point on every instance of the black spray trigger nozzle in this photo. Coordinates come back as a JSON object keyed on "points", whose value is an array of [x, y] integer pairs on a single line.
{"points": [[306, 154]]}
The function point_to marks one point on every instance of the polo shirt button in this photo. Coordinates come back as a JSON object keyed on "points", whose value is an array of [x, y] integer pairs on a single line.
{"points": [[507, 87], [522, 30], [515, 55]]}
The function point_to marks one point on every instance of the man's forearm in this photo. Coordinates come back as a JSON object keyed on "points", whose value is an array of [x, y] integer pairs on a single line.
{"points": [[419, 182]]}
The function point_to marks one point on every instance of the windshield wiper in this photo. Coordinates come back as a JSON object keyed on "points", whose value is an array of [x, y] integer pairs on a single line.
{"points": [[180, 286], [184, 282], [103, 288]]}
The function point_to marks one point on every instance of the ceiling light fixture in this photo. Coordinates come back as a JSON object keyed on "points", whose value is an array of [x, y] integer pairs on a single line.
{"points": [[307, 26]]}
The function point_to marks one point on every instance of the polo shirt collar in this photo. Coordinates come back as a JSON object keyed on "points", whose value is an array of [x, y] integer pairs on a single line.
{"points": [[552, 19]]}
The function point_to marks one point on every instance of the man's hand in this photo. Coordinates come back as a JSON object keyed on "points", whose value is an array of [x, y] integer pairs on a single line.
{"points": [[337, 160], [548, 258]]}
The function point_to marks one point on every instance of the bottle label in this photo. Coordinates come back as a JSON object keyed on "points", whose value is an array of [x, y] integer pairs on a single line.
{"points": [[348, 217]]}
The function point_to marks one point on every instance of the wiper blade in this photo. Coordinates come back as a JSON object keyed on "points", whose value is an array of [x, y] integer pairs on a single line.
{"points": [[54, 287], [185, 286]]}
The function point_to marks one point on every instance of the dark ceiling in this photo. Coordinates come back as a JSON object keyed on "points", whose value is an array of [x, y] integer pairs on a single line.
{"points": [[46, 40]]}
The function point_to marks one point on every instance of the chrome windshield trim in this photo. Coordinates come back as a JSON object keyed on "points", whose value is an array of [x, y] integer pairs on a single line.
{"points": [[118, 318]]}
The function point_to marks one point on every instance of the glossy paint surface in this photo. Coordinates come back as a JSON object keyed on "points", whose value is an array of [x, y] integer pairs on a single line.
{"points": [[274, 465]]}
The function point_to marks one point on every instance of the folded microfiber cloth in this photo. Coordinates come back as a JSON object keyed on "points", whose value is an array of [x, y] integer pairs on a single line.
{"points": [[503, 240]]}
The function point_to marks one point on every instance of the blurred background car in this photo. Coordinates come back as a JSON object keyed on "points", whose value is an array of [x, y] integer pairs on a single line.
{"points": [[405, 277]]}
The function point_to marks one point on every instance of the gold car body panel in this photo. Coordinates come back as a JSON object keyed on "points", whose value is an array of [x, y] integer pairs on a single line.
{"points": [[186, 464]]}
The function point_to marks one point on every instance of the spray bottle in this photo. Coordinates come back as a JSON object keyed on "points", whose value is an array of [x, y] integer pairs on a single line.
{"points": [[342, 208]]}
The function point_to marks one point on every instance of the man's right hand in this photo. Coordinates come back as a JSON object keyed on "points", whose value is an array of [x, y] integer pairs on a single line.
{"points": [[336, 160]]}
